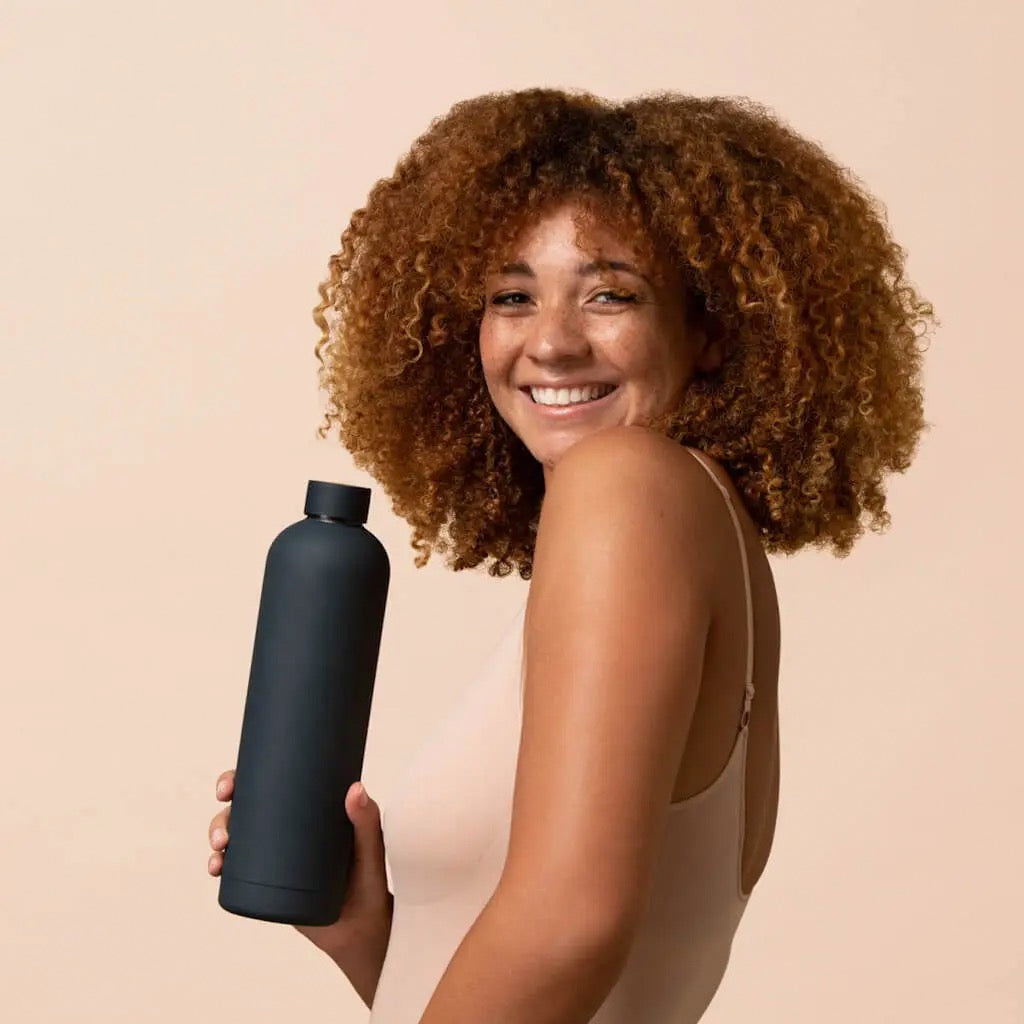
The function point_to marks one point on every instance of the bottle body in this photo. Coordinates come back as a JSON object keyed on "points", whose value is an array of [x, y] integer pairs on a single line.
{"points": [[305, 723]]}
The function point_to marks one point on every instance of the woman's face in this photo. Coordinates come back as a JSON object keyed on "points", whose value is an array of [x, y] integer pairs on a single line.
{"points": [[550, 323]]}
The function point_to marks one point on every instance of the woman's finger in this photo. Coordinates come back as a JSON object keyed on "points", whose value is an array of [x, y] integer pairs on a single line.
{"points": [[218, 831], [225, 784]]}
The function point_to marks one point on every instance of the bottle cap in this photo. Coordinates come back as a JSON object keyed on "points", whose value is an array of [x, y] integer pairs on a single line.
{"points": [[339, 501]]}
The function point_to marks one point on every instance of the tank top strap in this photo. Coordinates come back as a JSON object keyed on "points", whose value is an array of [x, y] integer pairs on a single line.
{"points": [[748, 695]]}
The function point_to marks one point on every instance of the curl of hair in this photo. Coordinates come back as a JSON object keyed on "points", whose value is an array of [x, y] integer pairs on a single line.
{"points": [[784, 254]]}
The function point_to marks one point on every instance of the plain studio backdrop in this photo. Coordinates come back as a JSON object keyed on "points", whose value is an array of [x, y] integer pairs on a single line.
{"points": [[174, 178]]}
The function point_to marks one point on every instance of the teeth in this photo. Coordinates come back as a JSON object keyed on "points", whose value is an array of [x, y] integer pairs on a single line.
{"points": [[570, 396]]}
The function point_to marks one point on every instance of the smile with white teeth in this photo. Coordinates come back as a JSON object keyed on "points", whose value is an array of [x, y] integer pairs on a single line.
{"points": [[570, 396]]}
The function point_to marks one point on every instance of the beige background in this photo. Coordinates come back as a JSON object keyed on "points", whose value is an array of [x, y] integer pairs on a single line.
{"points": [[174, 177]]}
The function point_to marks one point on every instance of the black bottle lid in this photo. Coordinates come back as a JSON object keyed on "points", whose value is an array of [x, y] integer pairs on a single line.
{"points": [[339, 501]]}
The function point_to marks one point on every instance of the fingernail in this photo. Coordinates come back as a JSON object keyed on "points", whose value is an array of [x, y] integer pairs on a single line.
{"points": [[362, 799], [221, 787], [219, 835]]}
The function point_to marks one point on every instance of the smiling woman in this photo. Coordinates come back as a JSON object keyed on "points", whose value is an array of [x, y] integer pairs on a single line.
{"points": [[626, 354], [573, 331], [806, 386]]}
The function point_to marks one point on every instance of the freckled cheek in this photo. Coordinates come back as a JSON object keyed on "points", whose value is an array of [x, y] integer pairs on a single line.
{"points": [[497, 359], [496, 380]]}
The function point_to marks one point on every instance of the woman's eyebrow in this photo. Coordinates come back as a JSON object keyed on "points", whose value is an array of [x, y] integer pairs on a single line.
{"points": [[583, 269]]}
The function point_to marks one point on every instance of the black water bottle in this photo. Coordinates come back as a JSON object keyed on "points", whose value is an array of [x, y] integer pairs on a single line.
{"points": [[307, 713]]}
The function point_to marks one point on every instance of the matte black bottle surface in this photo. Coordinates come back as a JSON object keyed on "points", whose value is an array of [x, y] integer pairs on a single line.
{"points": [[307, 713]]}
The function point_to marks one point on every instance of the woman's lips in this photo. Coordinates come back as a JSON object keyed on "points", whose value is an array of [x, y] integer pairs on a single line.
{"points": [[561, 412]]}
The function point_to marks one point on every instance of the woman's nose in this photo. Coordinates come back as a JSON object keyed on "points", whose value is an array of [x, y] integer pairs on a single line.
{"points": [[556, 338]]}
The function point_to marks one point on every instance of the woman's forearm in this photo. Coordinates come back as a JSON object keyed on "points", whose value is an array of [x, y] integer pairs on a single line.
{"points": [[363, 962]]}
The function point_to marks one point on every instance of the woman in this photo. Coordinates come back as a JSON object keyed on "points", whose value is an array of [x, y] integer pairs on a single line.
{"points": [[626, 350]]}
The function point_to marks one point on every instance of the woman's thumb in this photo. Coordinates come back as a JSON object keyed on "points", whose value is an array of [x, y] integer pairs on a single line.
{"points": [[369, 840], [365, 813]]}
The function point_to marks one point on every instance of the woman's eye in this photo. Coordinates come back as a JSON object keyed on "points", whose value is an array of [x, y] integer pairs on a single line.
{"points": [[500, 300]]}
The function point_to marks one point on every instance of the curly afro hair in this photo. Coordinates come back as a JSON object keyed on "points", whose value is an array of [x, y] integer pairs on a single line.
{"points": [[785, 256]]}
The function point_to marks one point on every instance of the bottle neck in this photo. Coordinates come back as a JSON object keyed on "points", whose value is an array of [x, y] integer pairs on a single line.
{"points": [[332, 519]]}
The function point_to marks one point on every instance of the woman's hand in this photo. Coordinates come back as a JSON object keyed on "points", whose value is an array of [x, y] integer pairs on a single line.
{"points": [[363, 929]]}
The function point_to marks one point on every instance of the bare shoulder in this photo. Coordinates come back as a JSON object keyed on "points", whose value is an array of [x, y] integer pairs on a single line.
{"points": [[626, 437], [631, 469], [627, 485], [630, 449]]}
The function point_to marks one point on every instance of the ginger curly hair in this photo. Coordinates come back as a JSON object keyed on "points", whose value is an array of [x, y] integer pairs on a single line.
{"points": [[784, 254]]}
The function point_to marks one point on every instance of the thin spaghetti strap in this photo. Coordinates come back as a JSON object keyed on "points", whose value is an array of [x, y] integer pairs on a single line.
{"points": [[749, 678]]}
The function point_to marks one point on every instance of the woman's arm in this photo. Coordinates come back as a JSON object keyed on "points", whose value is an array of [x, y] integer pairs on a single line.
{"points": [[616, 626], [363, 961], [520, 963]]}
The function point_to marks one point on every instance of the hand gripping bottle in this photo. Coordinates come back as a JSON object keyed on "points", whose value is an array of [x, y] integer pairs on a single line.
{"points": [[307, 713]]}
